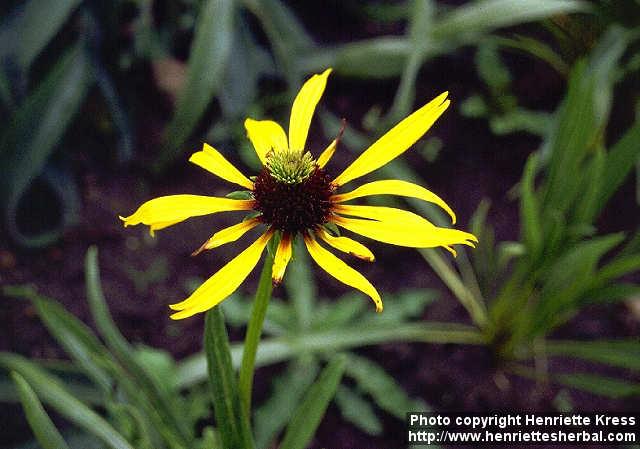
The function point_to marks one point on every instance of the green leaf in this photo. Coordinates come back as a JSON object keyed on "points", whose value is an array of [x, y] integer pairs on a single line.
{"points": [[44, 430], [621, 353], [375, 58], [407, 304], [231, 420], [421, 19], [589, 202], [287, 391], [206, 68], [338, 314], [274, 350], [599, 385], [465, 22], [166, 405], [239, 195], [385, 391], [535, 48], [619, 162], [40, 122], [301, 286], [309, 413], [357, 410], [576, 267], [51, 391], [529, 210], [618, 267], [287, 35], [31, 27], [575, 133], [77, 340], [242, 73], [491, 69]]}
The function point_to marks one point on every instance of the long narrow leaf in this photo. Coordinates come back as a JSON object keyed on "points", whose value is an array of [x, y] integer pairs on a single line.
{"points": [[51, 391], [194, 369], [209, 52], [621, 353], [600, 385], [231, 419], [309, 413], [44, 430], [31, 27], [167, 406], [272, 416]]}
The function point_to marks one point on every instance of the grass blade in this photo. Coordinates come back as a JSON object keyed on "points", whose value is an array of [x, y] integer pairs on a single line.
{"points": [[207, 63], [165, 404], [309, 413], [31, 27], [43, 429], [599, 385], [357, 410], [620, 353], [51, 391], [232, 422], [272, 416], [486, 15]]}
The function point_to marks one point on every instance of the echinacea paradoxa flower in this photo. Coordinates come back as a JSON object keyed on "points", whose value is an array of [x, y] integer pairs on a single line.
{"points": [[293, 196]]}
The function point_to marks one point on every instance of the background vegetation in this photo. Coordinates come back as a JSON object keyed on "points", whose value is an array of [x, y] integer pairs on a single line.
{"points": [[540, 155]]}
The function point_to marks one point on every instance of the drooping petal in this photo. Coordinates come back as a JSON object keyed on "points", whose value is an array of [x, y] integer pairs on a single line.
{"points": [[266, 136], [303, 108], [325, 156], [165, 211], [395, 187], [347, 245], [223, 283], [396, 141], [399, 227], [341, 271], [228, 235], [211, 160], [281, 259]]}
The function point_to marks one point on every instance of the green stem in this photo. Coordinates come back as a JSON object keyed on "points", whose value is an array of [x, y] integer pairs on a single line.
{"points": [[254, 331], [473, 305]]}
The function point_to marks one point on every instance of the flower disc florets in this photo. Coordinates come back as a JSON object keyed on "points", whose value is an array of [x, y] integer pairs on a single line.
{"points": [[293, 207], [290, 167]]}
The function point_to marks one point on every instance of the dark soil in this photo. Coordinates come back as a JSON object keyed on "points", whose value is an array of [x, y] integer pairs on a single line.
{"points": [[474, 164]]}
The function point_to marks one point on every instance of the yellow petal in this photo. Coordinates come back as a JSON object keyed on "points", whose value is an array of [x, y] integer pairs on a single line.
{"points": [[266, 136], [228, 235], [165, 211], [223, 283], [341, 271], [303, 108], [395, 187], [396, 141], [347, 245], [280, 261], [399, 227], [212, 161], [327, 153]]}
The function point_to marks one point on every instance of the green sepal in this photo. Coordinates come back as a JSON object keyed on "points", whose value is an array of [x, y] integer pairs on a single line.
{"points": [[240, 195]]}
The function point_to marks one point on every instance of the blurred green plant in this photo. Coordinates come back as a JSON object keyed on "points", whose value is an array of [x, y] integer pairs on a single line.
{"points": [[150, 401], [518, 293]]}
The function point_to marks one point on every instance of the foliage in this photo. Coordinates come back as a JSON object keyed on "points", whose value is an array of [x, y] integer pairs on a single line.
{"points": [[119, 395]]}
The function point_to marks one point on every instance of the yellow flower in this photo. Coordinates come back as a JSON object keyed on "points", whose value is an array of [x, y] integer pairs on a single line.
{"points": [[293, 195]]}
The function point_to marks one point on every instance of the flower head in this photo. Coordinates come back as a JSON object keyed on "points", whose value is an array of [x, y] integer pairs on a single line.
{"points": [[293, 196]]}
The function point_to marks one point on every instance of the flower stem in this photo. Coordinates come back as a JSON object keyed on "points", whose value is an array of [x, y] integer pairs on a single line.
{"points": [[254, 331]]}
